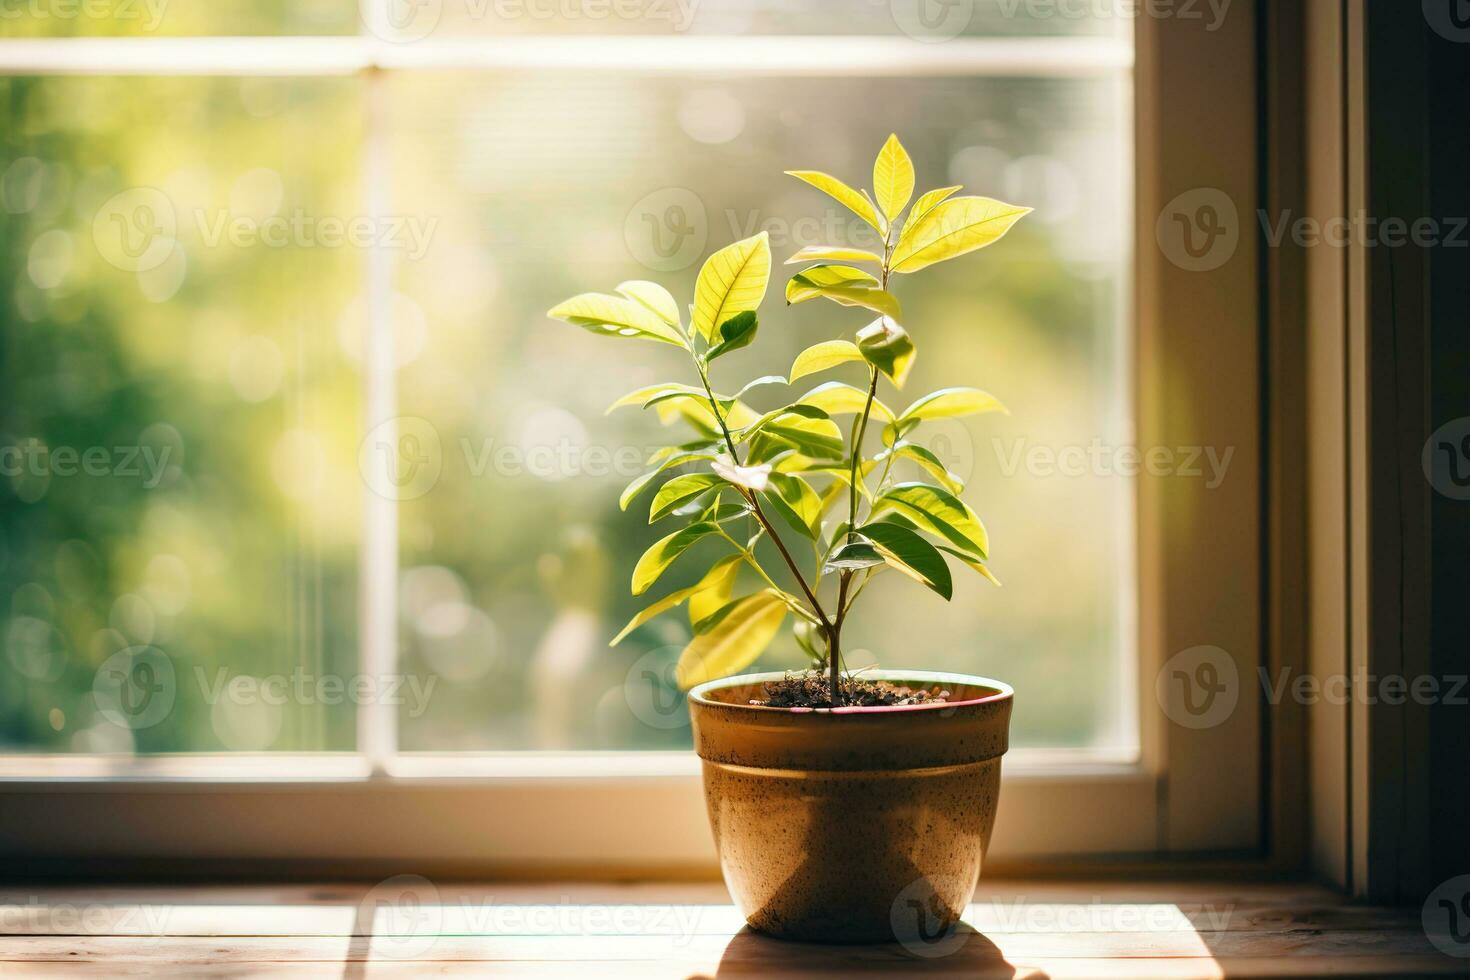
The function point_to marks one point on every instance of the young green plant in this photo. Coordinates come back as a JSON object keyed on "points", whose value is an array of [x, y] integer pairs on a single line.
{"points": [[792, 476]]}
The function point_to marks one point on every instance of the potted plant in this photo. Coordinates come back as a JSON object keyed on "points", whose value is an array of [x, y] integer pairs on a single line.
{"points": [[846, 806]]}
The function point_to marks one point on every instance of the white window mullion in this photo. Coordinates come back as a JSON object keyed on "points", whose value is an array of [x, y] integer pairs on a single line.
{"points": [[377, 722]]}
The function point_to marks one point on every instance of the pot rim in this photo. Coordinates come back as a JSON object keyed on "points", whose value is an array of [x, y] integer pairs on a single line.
{"points": [[1003, 692]]}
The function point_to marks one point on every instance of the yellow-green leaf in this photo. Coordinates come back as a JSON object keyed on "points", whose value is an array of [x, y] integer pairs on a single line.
{"points": [[666, 463], [888, 347], [678, 492], [844, 195], [820, 357], [653, 296], [952, 229], [715, 589], [736, 643], [842, 284], [732, 281], [646, 394], [834, 253], [836, 398], [616, 316], [893, 178], [937, 510], [657, 559], [970, 560], [911, 554], [796, 502], [952, 403], [930, 462], [826, 274], [657, 609], [928, 202]]}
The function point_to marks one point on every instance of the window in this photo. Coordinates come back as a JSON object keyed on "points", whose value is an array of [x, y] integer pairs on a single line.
{"points": [[295, 463]]}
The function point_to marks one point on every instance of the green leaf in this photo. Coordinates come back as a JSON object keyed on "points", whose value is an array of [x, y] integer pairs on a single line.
{"points": [[854, 557], [821, 357], [930, 462], [616, 316], [735, 333], [893, 178], [928, 202], [888, 347], [856, 294], [678, 492], [844, 195], [736, 643], [796, 502], [769, 379], [912, 555], [644, 395], [713, 591], [952, 403], [785, 414], [952, 229], [732, 281], [808, 637], [973, 563], [837, 398], [843, 284], [819, 438], [654, 297], [666, 463], [827, 274], [657, 559], [939, 511], [834, 253], [657, 609]]}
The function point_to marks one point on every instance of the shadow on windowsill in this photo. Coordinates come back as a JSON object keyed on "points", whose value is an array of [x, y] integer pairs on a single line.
{"points": [[960, 952]]}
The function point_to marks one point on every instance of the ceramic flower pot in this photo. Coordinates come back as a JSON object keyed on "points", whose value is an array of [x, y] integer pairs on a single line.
{"points": [[853, 825]]}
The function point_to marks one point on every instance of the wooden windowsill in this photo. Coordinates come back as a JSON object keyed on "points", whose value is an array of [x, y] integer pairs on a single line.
{"points": [[1014, 929]]}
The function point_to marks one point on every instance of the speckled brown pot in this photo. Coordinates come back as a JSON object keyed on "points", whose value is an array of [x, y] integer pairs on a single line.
{"points": [[853, 825]]}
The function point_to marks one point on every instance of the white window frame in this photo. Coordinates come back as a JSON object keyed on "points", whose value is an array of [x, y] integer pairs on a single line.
{"points": [[1183, 792]]}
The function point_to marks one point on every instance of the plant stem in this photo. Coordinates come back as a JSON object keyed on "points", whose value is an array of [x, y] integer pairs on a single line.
{"points": [[755, 506], [860, 431]]}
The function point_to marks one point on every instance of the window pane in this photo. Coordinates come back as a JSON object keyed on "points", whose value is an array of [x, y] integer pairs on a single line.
{"points": [[175, 18], [515, 556], [180, 500]]}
